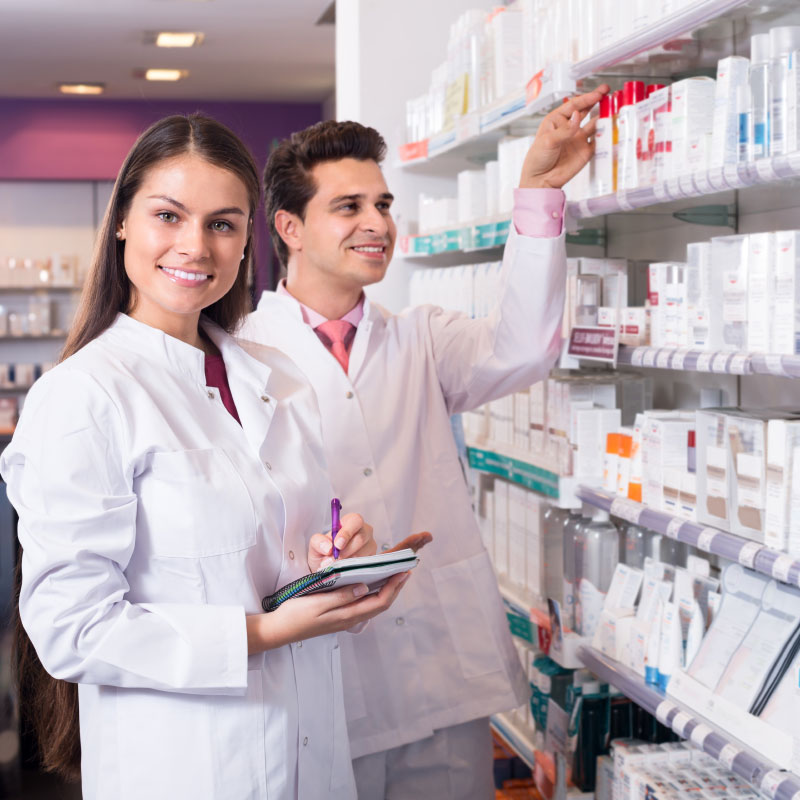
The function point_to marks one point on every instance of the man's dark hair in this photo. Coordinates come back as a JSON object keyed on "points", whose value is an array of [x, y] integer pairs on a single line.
{"points": [[288, 184]]}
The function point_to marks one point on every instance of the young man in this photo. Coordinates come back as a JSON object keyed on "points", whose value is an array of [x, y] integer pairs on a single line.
{"points": [[420, 682]]}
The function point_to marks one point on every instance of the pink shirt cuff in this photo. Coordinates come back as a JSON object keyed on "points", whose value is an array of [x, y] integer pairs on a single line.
{"points": [[539, 212]]}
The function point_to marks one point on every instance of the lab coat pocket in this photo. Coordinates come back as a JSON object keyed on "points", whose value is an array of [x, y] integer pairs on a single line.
{"points": [[193, 503], [461, 588]]}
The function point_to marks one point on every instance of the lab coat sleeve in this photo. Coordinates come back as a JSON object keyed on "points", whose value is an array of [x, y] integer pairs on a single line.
{"points": [[69, 478], [478, 360]]}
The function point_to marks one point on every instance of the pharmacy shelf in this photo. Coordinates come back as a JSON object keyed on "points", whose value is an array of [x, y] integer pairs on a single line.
{"points": [[516, 737], [721, 363], [477, 133], [31, 338], [766, 777], [681, 22], [38, 288], [524, 469], [684, 187], [777, 565]]}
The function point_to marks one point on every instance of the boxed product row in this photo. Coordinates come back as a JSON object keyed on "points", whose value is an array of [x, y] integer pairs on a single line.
{"points": [[647, 134], [21, 376], [59, 270], [638, 770], [492, 56], [36, 321], [472, 289], [481, 193]]}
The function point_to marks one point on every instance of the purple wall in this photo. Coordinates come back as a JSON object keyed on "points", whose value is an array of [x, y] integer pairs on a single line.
{"points": [[88, 140]]}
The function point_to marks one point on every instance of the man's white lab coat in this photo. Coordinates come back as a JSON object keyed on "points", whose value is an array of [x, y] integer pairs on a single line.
{"points": [[443, 654], [151, 524]]}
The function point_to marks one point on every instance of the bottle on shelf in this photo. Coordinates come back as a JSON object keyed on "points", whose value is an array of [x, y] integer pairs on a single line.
{"points": [[554, 520], [571, 526], [596, 558], [616, 105], [636, 546], [783, 41], [759, 136]]}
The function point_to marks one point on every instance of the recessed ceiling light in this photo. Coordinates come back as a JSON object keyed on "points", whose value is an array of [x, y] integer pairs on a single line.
{"points": [[81, 88], [165, 74], [177, 39]]}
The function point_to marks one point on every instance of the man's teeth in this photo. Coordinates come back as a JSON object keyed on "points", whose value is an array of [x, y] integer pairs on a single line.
{"points": [[369, 249], [189, 276]]}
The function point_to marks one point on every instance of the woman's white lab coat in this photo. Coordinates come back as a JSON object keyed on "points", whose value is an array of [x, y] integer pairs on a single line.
{"points": [[151, 523], [444, 647]]}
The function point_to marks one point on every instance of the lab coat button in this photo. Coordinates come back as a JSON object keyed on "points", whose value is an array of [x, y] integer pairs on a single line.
{"points": [[556, 215], [349, 395], [265, 398], [210, 394], [305, 741], [385, 546], [367, 471], [291, 554], [299, 644], [268, 465], [399, 621]]}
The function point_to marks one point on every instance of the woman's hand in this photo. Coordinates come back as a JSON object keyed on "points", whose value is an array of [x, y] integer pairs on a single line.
{"points": [[318, 614], [355, 538]]}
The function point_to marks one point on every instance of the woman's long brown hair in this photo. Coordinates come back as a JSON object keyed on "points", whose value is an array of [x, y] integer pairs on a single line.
{"points": [[49, 707]]}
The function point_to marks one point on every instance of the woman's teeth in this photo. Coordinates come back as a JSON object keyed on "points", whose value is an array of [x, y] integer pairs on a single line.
{"points": [[188, 276]]}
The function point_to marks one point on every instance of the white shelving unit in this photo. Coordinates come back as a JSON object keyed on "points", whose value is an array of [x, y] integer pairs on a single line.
{"points": [[775, 564], [515, 736]]}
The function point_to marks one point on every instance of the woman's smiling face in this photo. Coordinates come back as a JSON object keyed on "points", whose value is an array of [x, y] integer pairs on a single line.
{"points": [[185, 233]]}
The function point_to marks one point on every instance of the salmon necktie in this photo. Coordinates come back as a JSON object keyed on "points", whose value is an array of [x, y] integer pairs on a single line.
{"points": [[336, 331]]}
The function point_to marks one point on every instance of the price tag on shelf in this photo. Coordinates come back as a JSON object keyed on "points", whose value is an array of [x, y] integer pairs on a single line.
{"points": [[468, 127], [716, 177], [747, 555], [775, 365], [771, 781], [649, 359], [660, 190], [700, 734], [664, 359], [720, 362], [702, 182], [727, 754], [663, 710], [637, 356], [686, 182], [731, 174], [766, 170], [780, 568], [704, 362], [622, 199], [680, 721], [740, 364], [679, 358], [674, 189], [625, 509], [705, 539], [674, 526]]}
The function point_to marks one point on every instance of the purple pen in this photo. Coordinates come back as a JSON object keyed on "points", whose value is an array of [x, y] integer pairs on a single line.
{"points": [[336, 507]]}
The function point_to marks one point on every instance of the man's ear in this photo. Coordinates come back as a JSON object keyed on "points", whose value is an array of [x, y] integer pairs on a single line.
{"points": [[290, 229]]}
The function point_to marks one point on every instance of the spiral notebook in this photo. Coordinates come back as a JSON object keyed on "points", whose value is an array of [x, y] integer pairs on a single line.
{"points": [[372, 570]]}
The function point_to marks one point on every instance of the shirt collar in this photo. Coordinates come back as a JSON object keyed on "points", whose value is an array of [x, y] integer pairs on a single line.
{"points": [[314, 318]]}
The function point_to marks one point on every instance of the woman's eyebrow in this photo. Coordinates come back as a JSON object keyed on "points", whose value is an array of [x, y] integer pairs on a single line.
{"points": [[182, 207]]}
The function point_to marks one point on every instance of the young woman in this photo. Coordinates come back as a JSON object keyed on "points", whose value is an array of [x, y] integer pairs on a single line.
{"points": [[165, 482]]}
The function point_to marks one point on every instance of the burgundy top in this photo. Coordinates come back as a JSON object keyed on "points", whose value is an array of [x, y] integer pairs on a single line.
{"points": [[217, 376]]}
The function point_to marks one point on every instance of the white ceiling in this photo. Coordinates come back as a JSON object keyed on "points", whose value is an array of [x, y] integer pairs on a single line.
{"points": [[253, 50]]}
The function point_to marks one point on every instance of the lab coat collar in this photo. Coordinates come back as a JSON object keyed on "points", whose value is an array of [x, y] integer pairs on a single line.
{"points": [[182, 356]]}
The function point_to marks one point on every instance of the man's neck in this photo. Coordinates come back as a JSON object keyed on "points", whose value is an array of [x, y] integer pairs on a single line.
{"points": [[330, 303]]}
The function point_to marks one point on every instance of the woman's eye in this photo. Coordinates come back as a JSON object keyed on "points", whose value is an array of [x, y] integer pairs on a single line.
{"points": [[221, 225], [167, 216]]}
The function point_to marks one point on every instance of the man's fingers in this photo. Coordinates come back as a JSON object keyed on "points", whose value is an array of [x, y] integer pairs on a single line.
{"points": [[414, 542]]}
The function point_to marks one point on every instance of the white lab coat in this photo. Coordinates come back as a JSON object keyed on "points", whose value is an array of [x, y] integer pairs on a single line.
{"points": [[151, 524], [443, 655]]}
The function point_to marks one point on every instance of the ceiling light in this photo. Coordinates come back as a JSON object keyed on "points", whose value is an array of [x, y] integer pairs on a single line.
{"points": [[165, 74], [81, 88], [176, 39]]}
